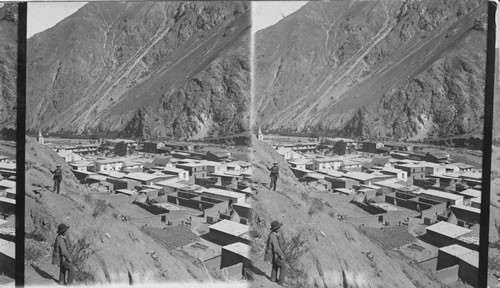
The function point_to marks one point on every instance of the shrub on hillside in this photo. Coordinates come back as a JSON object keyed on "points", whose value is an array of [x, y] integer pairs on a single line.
{"points": [[81, 251], [99, 208], [316, 206], [294, 248], [32, 252]]}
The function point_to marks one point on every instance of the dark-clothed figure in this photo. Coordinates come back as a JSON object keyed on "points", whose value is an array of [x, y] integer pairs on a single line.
{"points": [[274, 253], [61, 250], [57, 178], [274, 175]]}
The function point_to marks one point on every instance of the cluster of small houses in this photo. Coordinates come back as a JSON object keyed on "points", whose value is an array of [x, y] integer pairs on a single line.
{"points": [[393, 182], [177, 182], [7, 208]]}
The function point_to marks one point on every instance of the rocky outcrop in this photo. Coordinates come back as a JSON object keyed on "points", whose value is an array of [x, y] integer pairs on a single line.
{"points": [[8, 70], [152, 70], [397, 69]]}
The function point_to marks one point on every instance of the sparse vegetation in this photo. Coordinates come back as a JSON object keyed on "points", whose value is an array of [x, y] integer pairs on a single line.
{"points": [[81, 251], [294, 248], [494, 262], [36, 235], [32, 252], [99, 208], [316, 206], [88, 198]]}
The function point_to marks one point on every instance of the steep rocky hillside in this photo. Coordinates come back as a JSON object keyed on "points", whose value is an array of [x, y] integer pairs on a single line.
{"points": [[122, 252], [153, 70], [8, 69], [401, 69], [338, 254]]}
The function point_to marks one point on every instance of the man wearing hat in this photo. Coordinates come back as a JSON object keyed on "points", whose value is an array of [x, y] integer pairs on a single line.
{"points": [[274, 175], [57, 178], [275, 253], [61, 245]]}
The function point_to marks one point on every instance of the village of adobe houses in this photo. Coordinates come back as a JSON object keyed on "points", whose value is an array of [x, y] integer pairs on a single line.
{"points": [[189, 197], [406, 197], [198, 197]]}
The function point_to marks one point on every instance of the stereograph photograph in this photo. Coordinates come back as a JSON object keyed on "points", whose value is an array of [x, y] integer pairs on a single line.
{"points": [[369, 120], [250, 144], [8, 116], [138, 128]]}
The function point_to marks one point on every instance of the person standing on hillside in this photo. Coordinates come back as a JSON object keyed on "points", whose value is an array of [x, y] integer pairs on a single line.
{"points": [[274, 175], [63, 257], [57, 178], [274, 253]]}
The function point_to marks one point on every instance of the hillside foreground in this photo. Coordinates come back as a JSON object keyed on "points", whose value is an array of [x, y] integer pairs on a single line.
{"points": [[335, 253]]}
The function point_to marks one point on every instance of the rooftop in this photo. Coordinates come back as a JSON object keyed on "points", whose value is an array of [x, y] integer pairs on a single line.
{"points": [[8, 183], [390, 183], [113, 174], [327, 159], [172, 184], [467, 255], [447, 229], [239, 248], [221, 192], [8, 248], [230, 227], [108, 161], [331, 172], [143, 176], [473, 193], [445, 195], [467, 208], [359, 176]]}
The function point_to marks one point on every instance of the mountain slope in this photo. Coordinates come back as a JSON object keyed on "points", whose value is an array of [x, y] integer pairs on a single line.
{"points": [[8, 69], [150, 70], [401, 69]]}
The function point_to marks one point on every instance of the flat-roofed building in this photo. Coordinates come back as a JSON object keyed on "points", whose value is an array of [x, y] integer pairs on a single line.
{"points": [[235, 253], [70, 156], [83, 165], [172, 186], [228, 232], [113, 174], [331, 173], [475, 202], [441, 196], [180, 173], [361, 177], [390, 185], [465, 216], [398, 173], [303, 163], [108, 164], [243, 209], [223, 195], [130, 165], [148, 179], [195, 169], [470, 194], [444, 234], [8, 258], [433, 168], [152, 146], [323, 163], [466, 259], [415, 171]]}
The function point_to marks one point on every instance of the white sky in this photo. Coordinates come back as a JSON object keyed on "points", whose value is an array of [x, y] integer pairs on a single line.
{"points": [[43, 15], [267, 13]]}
